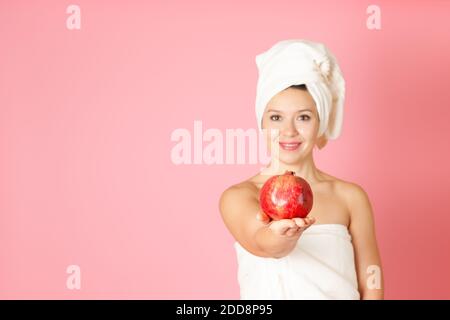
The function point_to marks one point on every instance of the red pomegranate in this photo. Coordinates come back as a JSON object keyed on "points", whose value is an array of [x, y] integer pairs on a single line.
{"points": [[286, 196]]}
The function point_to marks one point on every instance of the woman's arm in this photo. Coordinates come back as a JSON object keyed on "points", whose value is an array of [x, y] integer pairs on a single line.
{"points": [[239, 209], [367, 257]]}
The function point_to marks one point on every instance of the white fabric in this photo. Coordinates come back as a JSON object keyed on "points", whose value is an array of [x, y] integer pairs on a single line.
{"points": [[291, 62], [321, 266]]}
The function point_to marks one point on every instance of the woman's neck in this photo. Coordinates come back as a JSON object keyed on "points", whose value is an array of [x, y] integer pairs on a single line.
{"points": [[305, 169]]}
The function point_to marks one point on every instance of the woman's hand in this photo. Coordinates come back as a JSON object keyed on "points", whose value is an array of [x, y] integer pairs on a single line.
{"points": [[286, 227]]}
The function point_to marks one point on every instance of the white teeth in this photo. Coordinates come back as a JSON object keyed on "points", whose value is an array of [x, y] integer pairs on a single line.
{"points": [[290, 145]]}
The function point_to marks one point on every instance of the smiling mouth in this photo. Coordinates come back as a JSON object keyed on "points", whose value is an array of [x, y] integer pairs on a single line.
{"points": [[290, 146]]}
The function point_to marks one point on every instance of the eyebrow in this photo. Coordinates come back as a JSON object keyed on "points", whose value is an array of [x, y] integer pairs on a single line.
{"points": [[273, 110]]}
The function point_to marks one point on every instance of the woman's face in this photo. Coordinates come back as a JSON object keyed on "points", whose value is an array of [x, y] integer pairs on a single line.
{"points": [[293, 113]]}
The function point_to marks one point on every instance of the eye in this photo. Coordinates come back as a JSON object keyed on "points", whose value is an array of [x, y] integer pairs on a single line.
{"points": [[304, 115], [274, 117]]}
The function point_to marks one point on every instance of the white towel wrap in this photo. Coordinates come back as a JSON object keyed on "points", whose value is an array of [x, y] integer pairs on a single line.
{"points": [[321, 266]]}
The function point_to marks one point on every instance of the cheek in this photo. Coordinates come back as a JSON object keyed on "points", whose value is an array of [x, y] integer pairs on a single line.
{"points": [[304, 132], [266, 123], [307, 130], [271, 136]]}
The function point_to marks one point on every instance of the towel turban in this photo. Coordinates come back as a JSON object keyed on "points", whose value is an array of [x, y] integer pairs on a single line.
{"points": [[293, 62]]}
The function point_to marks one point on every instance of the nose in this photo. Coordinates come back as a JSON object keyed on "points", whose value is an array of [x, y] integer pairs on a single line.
{"points": [[289, 129]]}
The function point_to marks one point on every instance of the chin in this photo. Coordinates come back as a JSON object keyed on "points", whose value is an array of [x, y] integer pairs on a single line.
{"points": [[290, 159]]}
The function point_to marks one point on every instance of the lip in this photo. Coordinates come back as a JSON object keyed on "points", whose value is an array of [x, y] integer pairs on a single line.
{"points": [[290, 146]]}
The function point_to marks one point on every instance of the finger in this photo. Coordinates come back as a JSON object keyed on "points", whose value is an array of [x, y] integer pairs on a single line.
{"points": [[292, 226], [291, 232], [309, 225], [289, 223], [275, 226], [299, 222], [310, 220], [281, 226]]}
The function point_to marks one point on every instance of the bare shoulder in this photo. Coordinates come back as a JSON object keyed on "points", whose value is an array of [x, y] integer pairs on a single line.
{"points": [[236, 198], [351, 190], [355, 197], [348, 191], [244, 189], [339, 186]]}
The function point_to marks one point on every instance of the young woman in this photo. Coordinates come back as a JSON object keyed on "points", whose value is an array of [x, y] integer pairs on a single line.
{"points": [[331, 254]]}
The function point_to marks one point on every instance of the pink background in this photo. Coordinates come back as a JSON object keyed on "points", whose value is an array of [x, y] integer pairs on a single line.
{"points": [[86, 116]]}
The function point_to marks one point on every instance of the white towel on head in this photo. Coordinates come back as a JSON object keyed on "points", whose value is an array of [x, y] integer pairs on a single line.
{"points": [[291, 62]]}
